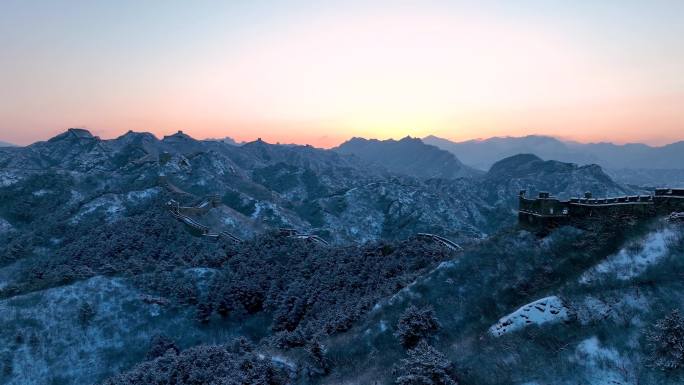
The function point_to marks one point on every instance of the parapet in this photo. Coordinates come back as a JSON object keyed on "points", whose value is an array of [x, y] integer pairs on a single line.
{"points": [[548, 212], [679, 192]]}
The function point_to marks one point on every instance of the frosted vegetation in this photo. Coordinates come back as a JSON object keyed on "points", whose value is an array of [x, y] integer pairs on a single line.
{"points": [[517, 310]]}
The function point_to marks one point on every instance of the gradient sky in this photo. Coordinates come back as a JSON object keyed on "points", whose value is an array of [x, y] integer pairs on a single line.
{"points": [[319, 72]]}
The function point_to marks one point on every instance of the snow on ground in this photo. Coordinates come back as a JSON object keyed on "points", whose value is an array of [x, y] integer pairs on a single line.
{"points": [[45, 342], [603, 365], [75, 198], [41, 192], [630, 262], [202, 277], [137, 196], [110, 203], [113, 205], [5, 227], [546, 310], [228, 221], [8, 178], [624, 307]]}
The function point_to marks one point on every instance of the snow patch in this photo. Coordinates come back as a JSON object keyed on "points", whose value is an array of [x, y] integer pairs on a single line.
{"points": [[5, 227], [142, 195], [41, 192], [546, 310], [228, 221], [603, 365], [111, 204], [625, 307], [628, 263], [7, 178], [283, 362]]}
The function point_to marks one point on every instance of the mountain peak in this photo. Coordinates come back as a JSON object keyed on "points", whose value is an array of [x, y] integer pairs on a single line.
{"points": [[512, 165], [74, 134], [178, 136], [257, 142], [80, 133], [408, 139]]}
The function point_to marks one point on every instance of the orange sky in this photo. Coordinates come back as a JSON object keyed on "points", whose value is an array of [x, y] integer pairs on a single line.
{"points": [[293, 73]]}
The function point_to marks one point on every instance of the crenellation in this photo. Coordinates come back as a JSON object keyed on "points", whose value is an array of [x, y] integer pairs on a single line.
{"points": [[547, 211]]}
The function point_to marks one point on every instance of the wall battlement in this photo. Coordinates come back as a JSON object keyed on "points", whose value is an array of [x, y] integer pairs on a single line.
{"points": [[547, 212], [183, 213]]}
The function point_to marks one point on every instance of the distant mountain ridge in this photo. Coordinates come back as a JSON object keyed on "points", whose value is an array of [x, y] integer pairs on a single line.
{"points": [[409, 156], [483, 154], [6, 144], [529, 172]]}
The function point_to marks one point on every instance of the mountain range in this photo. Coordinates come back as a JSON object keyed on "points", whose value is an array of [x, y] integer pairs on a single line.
{"points": [[483, 153], [360, 191], [100, 282]]}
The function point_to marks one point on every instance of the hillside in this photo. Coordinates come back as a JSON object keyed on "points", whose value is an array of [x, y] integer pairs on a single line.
{"points": [[574, 307]]}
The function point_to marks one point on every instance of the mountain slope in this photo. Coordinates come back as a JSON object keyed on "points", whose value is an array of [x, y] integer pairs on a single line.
{"points": [[575, 307]]}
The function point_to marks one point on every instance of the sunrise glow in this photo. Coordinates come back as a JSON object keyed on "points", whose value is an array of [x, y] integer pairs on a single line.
{"points": [[287, 72]]}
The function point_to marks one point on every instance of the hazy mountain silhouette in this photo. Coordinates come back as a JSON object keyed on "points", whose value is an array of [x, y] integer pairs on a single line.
{"points": [[483, 154], [408, 156]]}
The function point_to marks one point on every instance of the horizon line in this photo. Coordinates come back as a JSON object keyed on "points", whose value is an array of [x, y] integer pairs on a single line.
{"points": [[94, 132]]}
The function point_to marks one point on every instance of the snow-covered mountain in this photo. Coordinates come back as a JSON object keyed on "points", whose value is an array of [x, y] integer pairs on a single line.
{"points": [[96, 274], [344, 195]]}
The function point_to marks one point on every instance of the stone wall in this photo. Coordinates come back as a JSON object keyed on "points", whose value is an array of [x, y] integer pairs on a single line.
{"points": [[547, 212]]}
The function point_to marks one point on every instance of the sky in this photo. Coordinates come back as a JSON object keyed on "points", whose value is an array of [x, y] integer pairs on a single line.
{"points": [[320, 72]]}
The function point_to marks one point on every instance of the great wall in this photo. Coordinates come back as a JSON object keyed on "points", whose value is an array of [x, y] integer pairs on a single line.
{"points": [[185, 215], [546, 212]]}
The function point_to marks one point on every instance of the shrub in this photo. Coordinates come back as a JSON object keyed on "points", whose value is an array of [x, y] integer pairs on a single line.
{"points": [[86, 313], [320, 364], [666, 341], [160, 345], [425, 366], [203, 312], [416, 324], [204, 365]]}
